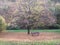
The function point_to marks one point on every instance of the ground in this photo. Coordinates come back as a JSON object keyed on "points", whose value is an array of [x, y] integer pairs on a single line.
{"points": [[23, 36]]}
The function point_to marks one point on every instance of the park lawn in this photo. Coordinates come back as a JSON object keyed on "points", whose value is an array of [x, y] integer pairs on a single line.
{"points": [[51, 42], [45, 30], [45, 42]]}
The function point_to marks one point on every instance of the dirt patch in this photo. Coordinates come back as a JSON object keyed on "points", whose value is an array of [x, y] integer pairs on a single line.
{"points": [[21, 36]]}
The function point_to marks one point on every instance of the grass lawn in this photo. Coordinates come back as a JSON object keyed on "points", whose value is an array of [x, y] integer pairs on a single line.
{"points": [[45, 30], [46, 42], [51, 42]]}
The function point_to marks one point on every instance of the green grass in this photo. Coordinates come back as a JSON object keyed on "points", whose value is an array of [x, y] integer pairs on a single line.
{"points": [[52, 42], [46, 30]]}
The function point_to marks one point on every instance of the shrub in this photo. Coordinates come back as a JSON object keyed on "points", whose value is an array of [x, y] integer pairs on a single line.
{"points": [[2, 24], [55, 26], [12, 27]]}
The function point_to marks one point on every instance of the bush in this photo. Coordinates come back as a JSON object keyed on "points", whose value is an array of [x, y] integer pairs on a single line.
{"points": [[12, 27], [55, 26], [2, 24]]}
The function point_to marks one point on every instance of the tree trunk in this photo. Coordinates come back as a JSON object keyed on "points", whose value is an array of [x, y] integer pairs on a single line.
{"points": [[28, 31], [28, 28]]}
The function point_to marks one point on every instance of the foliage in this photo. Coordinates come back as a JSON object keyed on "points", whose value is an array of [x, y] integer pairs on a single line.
{"points": [[36, 13], [2, 24], [57, 13]]}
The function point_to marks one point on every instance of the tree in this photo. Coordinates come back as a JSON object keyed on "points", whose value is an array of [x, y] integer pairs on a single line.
{"points": [[33, 14], [30, 14], [2, 24]]}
